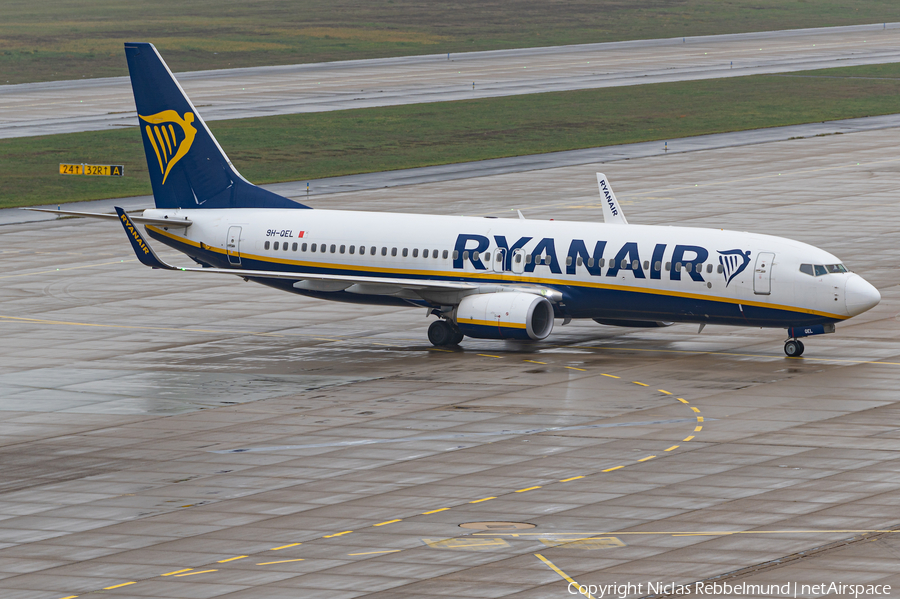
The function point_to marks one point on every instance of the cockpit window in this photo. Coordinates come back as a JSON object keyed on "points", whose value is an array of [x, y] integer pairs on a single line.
{"points": [[820, 270]]}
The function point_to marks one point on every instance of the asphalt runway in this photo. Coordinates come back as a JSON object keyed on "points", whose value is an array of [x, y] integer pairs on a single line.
{"points": [[99, 104], [178, 435]]}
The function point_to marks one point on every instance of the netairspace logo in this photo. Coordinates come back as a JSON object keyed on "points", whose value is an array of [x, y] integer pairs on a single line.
{"points": [[719, 589]]}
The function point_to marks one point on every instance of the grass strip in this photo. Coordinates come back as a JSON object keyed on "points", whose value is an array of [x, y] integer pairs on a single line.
{"points": [[48, 40], [311, 146]]}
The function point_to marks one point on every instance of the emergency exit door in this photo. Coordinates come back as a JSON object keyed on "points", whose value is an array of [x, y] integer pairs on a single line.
{"points": [[762, 274], [233, 246]]}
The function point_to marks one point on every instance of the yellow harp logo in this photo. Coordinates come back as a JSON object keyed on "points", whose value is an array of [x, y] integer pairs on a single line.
{"points": [[169, 142]]}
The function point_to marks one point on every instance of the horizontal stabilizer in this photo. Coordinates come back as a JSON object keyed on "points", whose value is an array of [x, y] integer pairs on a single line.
{"points": [[612, 212], [140, 220]]}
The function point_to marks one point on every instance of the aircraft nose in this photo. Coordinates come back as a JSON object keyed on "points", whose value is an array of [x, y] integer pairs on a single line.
{"points": [[860, 295]]}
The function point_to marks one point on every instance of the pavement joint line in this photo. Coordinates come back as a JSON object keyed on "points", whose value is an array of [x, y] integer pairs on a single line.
{"points": [[282, 561], [611, 469], [192, 573], [565, 480], [231, 559], [528, 489], [565, 576], [285, 546], [375, 552], [480, 500], [176, 572]]}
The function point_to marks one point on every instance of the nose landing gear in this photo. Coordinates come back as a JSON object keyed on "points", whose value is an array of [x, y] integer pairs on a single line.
{"points": [[793, 348]]}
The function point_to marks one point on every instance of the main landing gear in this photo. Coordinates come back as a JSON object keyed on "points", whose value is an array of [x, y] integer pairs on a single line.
{"points": [[793, 348], [442, 333]]}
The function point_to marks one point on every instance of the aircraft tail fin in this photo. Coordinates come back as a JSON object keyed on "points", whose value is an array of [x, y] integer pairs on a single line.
{"points": [[188, 168], [612, 212]]}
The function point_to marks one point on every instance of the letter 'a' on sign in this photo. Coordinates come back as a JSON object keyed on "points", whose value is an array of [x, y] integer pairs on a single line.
{"points": [[612, 212]]}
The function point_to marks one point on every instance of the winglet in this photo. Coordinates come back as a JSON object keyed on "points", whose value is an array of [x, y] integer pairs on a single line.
{"points": [[612, 212], [143, 250]]}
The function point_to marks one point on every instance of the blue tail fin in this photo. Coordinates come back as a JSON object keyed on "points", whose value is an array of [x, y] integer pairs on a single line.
{"points": [[188, 168]]}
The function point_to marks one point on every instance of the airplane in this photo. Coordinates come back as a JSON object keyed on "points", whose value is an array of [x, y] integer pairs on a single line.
{"points": [[481, 277]]}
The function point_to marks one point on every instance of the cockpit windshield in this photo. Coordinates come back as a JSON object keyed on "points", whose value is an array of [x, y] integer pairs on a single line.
{"points": [[820, 270]]}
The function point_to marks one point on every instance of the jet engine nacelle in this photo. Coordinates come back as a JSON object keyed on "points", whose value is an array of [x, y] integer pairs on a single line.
{"points": [[505, 315]]}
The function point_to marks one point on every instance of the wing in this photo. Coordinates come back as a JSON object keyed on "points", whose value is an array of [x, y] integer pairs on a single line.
{"points": [[368, 285]]}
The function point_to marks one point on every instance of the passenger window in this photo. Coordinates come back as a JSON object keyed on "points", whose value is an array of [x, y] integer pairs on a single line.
{"points": [[372, 250], [720, 269], [579, 262], [820, 269], [806, 269], [678, 266], [527, 258], [465, 256], [285, 246], [603, 262], [646, 265], [474, 256], [343, 248], [393, 251], [333, 248], [455, 254], [636, 265], [266, 246], [487, 256], [591, 263], [668, 265], [352, 249], [435, 254], [624, 264], [384, 251], [294, 247], [275, 246], [405, 252], [416, 253], [657, 265], [518, 258], [303, 247], [709, 267], [313, 248], [688, 266], [424, 253]]}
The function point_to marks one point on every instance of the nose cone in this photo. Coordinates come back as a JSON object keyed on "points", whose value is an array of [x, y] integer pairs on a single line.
{"points": [[860, 295]]}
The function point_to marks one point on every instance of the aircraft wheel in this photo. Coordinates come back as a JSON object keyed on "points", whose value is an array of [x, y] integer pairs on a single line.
{"points": [[457, 337], [440, 333], [793, 348]]}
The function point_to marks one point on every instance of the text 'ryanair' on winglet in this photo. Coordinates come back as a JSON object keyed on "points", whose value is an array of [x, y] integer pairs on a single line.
{"points": [[143, 251]]}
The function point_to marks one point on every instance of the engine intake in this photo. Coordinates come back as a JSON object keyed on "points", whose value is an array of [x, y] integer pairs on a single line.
{"points": [[505, 315]]}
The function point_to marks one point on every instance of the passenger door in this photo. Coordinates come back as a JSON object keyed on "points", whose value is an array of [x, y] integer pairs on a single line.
{"points": [[233, 246], [762, 273]]}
